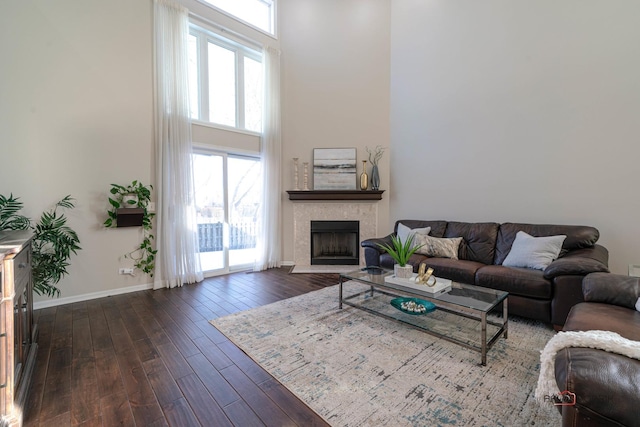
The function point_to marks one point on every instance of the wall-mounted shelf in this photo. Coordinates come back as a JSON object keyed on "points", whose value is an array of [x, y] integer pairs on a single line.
{"points": [[336, 195], [129, 217]]}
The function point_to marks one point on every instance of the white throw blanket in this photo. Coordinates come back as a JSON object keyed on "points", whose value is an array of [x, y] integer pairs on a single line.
{"points": [[601, 340]]}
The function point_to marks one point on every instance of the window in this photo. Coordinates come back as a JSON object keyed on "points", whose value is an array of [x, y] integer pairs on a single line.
{"points": [[228, 195], [225, 81], [257, 13]]}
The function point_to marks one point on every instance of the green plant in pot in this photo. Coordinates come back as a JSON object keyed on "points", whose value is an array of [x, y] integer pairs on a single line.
{"points": [[52, 245], [135, 195], [401, 252]]}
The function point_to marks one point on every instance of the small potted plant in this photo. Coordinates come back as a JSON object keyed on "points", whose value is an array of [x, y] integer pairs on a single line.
{"points": [[401, 252]]}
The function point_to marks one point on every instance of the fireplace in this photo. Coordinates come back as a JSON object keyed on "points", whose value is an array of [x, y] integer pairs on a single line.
{"points": [[335, 242]]}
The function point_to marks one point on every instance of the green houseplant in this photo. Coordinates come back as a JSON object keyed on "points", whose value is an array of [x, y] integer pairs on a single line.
{"points": [[401, 252], [52, 245], [135, 195]]}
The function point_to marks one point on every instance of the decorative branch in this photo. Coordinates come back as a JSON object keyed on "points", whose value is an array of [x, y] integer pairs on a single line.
{"points": [[375, 154]]}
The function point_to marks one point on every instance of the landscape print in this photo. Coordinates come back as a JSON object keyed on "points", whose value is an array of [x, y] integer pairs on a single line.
{"points": [[334, 169]]}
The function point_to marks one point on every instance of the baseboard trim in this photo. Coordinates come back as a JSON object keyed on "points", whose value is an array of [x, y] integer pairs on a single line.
{"points": [[54, 302]]}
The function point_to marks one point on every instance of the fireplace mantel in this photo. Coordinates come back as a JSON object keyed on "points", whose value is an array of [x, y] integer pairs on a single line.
{"points": [[335, 195]]}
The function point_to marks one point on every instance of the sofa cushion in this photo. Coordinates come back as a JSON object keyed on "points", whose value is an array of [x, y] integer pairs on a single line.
{"points": [[614, 289], [437, 227], [456, 270], [519, 281], [587, 316], [405, 232], [479, 240], [437, 247], [578, 236], [533, 252]]}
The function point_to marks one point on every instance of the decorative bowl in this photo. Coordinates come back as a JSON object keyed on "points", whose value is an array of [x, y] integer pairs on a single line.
{"points": [[413, 306]]}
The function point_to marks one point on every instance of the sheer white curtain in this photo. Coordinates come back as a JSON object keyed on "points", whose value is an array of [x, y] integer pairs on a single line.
{"points": [[268, 241], [177, 261]]}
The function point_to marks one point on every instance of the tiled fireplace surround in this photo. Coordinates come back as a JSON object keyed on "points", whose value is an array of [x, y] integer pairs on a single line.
{"points": [[305, 212]]}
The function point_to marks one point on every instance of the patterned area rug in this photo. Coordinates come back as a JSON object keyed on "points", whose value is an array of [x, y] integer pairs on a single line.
{"points": [[357, 369]]}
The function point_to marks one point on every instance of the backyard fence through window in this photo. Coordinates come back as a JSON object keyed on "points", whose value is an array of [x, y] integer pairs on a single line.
{"points": [[241, 236]]}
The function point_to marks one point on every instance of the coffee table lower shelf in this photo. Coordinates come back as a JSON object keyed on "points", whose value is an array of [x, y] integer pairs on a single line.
{"points": [[375, 299]]}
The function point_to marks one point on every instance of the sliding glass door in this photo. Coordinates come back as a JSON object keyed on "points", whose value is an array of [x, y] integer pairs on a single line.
{"points": [[228, 195]]}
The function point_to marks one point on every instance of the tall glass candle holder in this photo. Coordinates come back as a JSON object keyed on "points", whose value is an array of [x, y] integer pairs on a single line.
{"points": [[295, 174], [306, 176]]}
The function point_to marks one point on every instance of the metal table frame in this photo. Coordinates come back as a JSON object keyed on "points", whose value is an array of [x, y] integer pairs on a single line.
{"points": [[456, 309]]}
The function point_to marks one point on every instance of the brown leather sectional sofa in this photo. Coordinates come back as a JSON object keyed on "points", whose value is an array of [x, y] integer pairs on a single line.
{"points": [[544, 295], [606, 384]]}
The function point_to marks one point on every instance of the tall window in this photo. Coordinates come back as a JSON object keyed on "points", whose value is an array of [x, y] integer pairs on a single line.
{"points": [[228, 193], [225, 81], [258, 13]]}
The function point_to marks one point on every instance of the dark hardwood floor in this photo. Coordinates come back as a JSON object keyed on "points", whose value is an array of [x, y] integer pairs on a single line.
{"points": [[151, 358]]}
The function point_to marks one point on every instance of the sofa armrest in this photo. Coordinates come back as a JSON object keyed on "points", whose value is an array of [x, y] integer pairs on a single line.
{"points": [[579, 262], [372, 251], [373, 243], [613, 289], [606, 384]]}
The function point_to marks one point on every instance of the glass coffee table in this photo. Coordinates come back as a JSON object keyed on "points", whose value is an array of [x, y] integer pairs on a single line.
{"points": [[466, 315]]}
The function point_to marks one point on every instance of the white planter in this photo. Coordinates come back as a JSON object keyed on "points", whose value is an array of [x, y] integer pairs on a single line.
{"points": [[126, 198], [403, 272]]}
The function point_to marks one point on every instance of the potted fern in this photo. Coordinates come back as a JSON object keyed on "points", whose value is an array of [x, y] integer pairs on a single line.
{"points": [[401, 252], [53, 241]]}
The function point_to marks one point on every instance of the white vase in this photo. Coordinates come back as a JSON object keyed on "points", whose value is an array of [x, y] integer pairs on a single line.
{"points": [[403, 272], [126, 201]]}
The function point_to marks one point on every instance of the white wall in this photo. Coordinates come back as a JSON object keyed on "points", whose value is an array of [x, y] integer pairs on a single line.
{"points": [[335, 82], [518, 111], [76, 111], [500, 111], [76, 115]]}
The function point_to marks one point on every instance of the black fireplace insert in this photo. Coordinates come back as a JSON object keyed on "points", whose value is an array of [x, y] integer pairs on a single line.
{"points": [[335, 242]]}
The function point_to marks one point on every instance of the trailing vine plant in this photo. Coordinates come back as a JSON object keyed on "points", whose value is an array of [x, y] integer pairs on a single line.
{"points": [[135, 195], [52, 245]]}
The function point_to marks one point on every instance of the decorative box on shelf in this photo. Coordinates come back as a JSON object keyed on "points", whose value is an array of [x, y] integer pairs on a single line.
{"points": [[441, 286]]}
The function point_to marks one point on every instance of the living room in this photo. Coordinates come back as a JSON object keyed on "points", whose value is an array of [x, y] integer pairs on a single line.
{"points": [[536, 119], [492, 111]]}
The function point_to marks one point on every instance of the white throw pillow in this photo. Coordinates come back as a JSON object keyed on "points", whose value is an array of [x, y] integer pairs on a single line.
{"points": [[438, 247], [404, 232], [534, 252], [638, 304]]}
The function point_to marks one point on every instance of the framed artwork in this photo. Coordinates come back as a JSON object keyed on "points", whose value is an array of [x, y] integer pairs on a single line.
{"points": [[334, 169]]}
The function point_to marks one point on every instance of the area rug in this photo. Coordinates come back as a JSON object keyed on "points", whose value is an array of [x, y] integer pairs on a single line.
{"points": [[357, 369]]}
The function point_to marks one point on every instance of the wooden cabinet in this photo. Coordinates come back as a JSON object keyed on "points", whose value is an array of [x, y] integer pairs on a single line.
{"points": [[18, 334]]}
